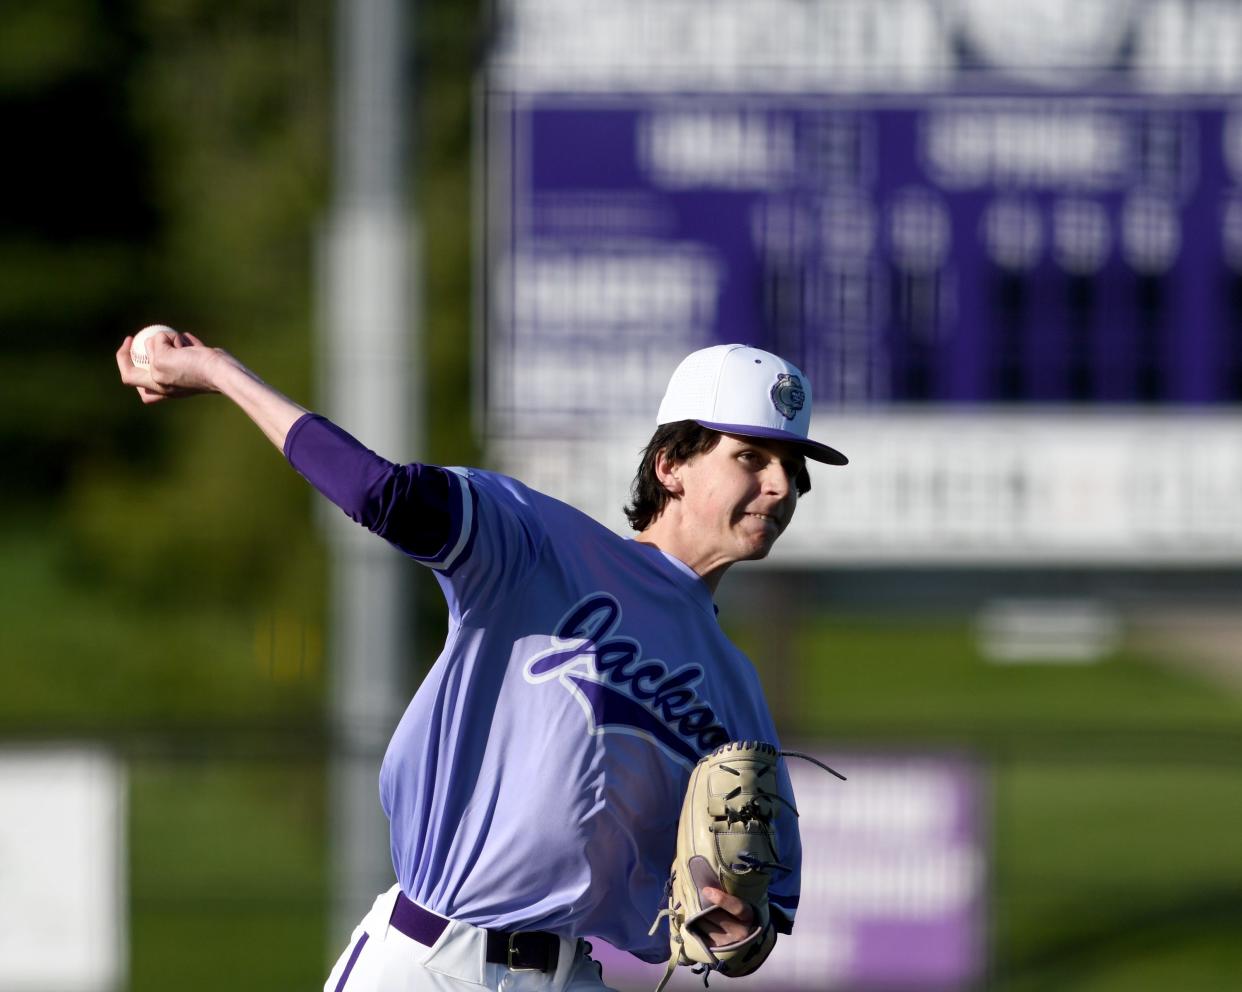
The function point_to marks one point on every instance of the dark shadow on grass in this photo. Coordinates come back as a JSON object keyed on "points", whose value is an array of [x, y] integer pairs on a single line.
{"points": [[1147, 929]]}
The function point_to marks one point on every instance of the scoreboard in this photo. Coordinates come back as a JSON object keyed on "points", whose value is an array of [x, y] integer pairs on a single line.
{"points": [[1015, 285], [980, 250]]}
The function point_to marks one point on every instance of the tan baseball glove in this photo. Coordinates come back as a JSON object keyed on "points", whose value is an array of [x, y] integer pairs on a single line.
{"points": [[726, 839]]}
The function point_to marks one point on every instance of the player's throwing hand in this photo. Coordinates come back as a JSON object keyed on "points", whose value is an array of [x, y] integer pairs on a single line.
{"points": [[177, 366]]}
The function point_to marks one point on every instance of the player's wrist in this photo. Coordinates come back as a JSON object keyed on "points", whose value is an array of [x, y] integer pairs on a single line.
{"points": [[224, 373]]}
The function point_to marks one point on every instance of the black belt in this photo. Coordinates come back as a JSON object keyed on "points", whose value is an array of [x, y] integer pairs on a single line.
{"points": [[518, 950]]}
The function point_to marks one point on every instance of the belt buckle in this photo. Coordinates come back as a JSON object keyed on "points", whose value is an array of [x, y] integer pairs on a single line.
{"points": [[514, 950]]}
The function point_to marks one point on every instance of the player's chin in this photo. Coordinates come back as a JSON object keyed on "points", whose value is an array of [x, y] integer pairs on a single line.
{"points": [[759, 546]]}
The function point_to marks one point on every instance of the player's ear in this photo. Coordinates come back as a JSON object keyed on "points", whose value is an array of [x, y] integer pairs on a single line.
{"points": [[668, 472]]}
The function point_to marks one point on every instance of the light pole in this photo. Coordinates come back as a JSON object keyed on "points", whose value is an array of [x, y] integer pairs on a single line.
{"points": [[370, 384]]}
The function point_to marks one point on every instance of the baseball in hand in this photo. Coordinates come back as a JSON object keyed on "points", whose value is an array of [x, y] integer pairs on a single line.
{"points": [[138, 349]]}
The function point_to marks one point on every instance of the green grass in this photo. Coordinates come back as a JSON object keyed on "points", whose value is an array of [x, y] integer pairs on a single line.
{"points": [[1100, 865], [926, 678], [227, 876], [80, 657]]}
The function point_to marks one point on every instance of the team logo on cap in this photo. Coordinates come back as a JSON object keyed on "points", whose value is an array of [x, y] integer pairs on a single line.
{"points": [[788, 395]]}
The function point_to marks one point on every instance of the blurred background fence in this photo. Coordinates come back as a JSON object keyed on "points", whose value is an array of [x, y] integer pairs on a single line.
{"points": [[1034, 567]]}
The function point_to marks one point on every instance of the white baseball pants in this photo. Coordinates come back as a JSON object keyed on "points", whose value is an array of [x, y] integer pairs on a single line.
{"points": [[380, 958]]}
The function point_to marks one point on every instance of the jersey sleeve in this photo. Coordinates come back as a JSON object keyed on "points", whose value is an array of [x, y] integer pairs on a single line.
{"points": [[410, 506], [496, 544], [477, 530]]}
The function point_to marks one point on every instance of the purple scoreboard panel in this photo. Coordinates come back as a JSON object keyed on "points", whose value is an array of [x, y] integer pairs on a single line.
{"points": [[973, 250], [1012, 231]]}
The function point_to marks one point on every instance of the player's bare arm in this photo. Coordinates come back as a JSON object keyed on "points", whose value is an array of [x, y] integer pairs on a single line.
{"points": [[185, 366]]}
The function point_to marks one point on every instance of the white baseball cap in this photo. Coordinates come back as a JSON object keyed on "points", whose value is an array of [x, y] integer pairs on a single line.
{"points": [[739, 390]]}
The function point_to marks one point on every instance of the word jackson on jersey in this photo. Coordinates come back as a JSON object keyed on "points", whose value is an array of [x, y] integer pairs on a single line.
{"points": [[621, 690]]}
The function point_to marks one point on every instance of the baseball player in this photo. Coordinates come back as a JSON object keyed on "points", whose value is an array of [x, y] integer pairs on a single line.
{"points": [[533, 784]]}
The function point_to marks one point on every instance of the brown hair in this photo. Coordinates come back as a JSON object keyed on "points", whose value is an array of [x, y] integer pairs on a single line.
{"points": [[680, 441]]}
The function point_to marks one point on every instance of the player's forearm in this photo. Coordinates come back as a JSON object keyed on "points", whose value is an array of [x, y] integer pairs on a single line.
{"points": [[272, 411]]}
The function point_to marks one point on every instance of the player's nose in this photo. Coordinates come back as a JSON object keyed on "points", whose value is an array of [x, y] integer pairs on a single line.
{"points": [[777, 480]]}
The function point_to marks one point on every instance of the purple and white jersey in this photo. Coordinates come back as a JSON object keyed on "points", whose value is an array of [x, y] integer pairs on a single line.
{"points": [[536, 777]]}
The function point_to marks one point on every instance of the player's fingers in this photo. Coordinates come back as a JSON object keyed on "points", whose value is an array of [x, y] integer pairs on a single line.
{"points": [[161, 370], [730, 904], [131, 375], [159, 342], [721, 927], [194, 339], [123, 361]]}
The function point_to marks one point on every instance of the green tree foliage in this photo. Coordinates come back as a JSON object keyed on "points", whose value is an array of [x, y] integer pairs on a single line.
{"points": [[175, 167], [73, 225], [177, 170], [230, 103]]}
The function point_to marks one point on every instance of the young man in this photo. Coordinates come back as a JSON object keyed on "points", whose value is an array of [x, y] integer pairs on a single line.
{"points": [[533, 785]]}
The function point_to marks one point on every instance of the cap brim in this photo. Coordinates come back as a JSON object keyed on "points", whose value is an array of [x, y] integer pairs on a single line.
{"points": [[812, 449]]}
